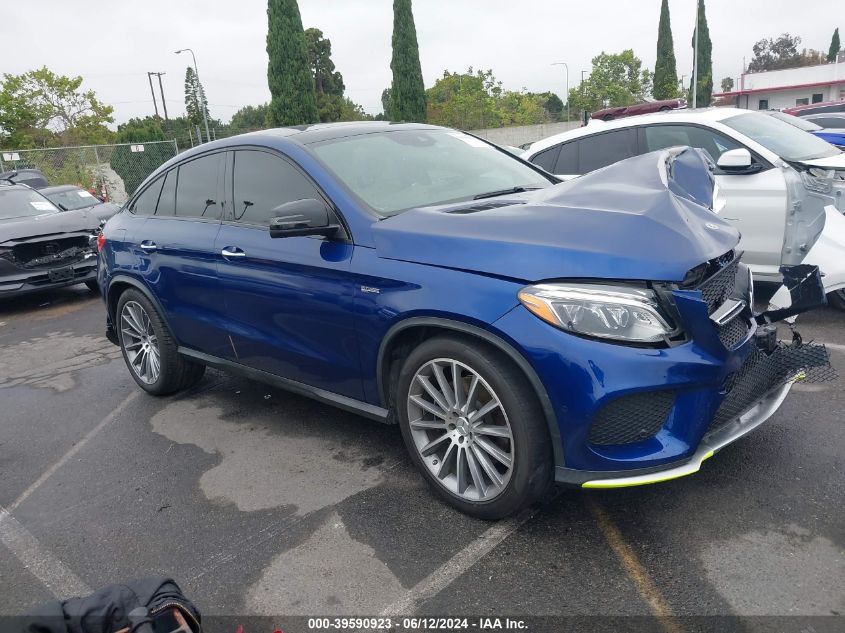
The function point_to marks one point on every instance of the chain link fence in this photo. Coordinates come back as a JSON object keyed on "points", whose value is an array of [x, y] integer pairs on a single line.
{"points": [[115, 170]]}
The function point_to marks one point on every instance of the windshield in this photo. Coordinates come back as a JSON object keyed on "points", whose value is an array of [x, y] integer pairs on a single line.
{"points": [[72, 199], [801, 124], [23, 203], [783, 139], [396, 170]]}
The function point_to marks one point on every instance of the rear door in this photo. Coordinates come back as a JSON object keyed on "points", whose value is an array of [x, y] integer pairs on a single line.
{"points": [[755, 201], [288, 300], [175, 247]]}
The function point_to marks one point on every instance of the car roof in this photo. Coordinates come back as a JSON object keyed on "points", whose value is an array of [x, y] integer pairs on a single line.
{"points": [[60, 189], [701, 115]]}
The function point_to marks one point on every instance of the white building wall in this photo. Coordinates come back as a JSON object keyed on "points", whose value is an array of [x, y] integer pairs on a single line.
{"points": [[778, 99]]}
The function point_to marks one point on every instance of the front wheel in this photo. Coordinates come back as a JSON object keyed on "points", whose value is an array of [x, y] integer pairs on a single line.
{"points": [[837, 299], [149, 349], [474, 427]]}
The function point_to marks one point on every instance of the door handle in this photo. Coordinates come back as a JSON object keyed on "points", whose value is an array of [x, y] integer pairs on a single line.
{"points": [[232, 251], [148, 246]]}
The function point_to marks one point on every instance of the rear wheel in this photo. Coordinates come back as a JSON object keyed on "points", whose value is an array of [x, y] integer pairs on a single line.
{"points": [[665, 109], [473, 427], [149, 350], [837, 299]]}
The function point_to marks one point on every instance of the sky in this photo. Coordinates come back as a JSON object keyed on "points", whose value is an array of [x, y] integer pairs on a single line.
{"points": [[113, 43]]}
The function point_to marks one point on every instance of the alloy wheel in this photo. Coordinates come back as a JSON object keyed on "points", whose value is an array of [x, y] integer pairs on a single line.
{"points": [[460, 429], [140, 342]]}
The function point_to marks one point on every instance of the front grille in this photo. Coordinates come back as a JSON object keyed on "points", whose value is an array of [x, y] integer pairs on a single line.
{"points": [[51, 253], [733, 332], [761, 373], [631, 418], [718, 288]]}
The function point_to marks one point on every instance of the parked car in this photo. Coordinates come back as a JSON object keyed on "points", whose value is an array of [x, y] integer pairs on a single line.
{"points": [[833, 136], [832, 125], [73, 198], [782, 187], [816, 108], [31, 177], [419, 275], [619, 112], [42, 247]]}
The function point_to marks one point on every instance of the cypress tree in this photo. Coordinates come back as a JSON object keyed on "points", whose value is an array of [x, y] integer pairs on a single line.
{"points": [[289, 76], [834, 46], [705, 61], [665, 82], [195, 100], [407, 93]]}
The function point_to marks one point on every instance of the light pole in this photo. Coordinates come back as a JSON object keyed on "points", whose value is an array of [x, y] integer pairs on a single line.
{"points": [[566, 66], [201, 94]]}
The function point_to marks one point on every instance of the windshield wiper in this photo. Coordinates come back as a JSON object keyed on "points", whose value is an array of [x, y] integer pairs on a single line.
{"points": [[503, 192]]}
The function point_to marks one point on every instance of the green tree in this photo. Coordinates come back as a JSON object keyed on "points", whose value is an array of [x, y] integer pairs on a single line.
{"points": [[704, 79], [407, 92], [195, 100], [293, 101], [464, 100], [40, 108], [727, 84], [326, 78], [835, 46], [615, 80], [783, 52], [665, 70], [249, 118]]}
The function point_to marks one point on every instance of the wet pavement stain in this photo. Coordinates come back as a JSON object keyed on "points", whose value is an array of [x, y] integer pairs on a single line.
{"points": [[260, 466], [51, 361]]}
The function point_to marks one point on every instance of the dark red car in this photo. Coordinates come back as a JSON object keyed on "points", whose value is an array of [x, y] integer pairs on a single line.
{"points": [[816, 108], [619, 112]]}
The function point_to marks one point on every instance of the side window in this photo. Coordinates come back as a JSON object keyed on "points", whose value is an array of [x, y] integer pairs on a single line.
{"points": [[605, 149], [567, 160], [547, 159], [196, 193], [145, 204], [663, 136], [167, 199], [262, 182]]}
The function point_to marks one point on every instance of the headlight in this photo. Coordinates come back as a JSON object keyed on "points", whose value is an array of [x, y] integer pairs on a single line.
{"points": [[616, 312]]}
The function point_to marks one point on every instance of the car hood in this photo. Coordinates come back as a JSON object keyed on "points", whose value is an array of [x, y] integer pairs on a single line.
{"points": [[645, 218], [16, 229]]}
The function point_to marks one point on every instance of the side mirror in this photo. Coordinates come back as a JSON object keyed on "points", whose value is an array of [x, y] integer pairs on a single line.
{"points": [[735, 160], [302, 217]]}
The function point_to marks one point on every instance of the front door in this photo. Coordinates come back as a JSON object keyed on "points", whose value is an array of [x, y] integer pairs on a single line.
{"points": [[288, 300]]}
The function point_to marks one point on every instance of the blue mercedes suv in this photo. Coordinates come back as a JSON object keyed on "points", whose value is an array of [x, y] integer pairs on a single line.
{"points": [[519, 330]]}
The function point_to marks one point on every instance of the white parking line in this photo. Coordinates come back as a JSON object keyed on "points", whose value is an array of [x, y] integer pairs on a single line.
{"points": [[48, 569], [453, 568], [74, 450]]}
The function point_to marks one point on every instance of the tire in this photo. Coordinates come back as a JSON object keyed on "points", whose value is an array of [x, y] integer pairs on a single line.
{"points": [[837, 299], [608, 117], [136, 314], [664, 109], [92, 285], [445, 442]]}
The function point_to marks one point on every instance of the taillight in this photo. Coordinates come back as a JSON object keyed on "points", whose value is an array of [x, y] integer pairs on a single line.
{"points": [[101, 241]]}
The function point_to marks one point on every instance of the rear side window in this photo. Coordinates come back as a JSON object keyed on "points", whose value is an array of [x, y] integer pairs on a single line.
{"points": [[167, 199], [196, 193], [547, 159], [567, 160], [829, 122], [262, 182], [145, 204], [605, 149]]}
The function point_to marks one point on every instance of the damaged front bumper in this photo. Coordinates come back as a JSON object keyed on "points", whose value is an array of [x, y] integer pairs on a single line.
{"points": [[743, 409]]}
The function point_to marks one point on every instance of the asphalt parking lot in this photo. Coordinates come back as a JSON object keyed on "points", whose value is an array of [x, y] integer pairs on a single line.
{"points": [[262, 502]]}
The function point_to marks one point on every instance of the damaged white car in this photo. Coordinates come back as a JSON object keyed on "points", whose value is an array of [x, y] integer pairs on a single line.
{"points": [[780, 186]]}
